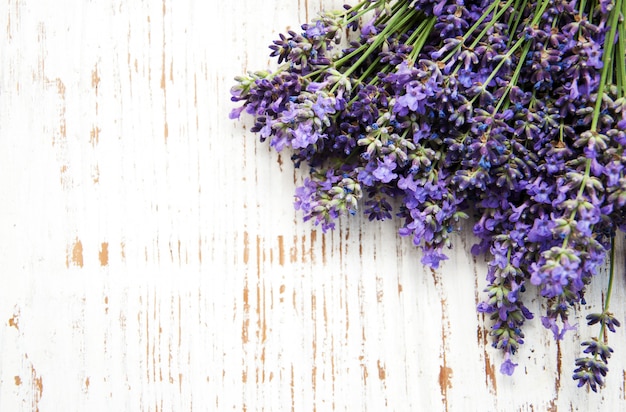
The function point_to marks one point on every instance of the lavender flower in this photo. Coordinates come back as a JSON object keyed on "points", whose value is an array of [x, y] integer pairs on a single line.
{"points": [[513, 112]]}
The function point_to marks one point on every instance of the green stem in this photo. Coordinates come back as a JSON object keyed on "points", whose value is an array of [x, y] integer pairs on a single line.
{"points": [[361, 12], [539, 13], [514, 78], [369, 69], [471, 30], [583, 183], [384, 18], [581, 9], [609, 288], [499, 66], [495, 19], [517, 16], [607, 60], [350, 55], [621, 55], [515, 46], [396, 23], [353, 53], [425, 28]]}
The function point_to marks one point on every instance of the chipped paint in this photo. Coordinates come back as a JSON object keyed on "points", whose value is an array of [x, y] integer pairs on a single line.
{"points": [[281, 250], [94, 135], [445, 382], [14, 321], [95, 79], [148, 262], [246, 309], [381, 371], [74, 255], [246, 248], [37, 389], [62, 122], [293, 250], [103, 254]]}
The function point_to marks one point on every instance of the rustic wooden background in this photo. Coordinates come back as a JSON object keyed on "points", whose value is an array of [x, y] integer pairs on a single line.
{"points": [[151, 260]]}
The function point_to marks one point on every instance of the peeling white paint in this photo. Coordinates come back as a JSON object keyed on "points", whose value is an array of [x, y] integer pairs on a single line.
{"points": [[151, 259]]}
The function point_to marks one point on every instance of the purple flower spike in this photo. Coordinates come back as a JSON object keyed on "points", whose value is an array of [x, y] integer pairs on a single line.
{"points": [[446, 108]]}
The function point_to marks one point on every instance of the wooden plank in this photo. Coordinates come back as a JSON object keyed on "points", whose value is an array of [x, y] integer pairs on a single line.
{"points": [[151, 258]]}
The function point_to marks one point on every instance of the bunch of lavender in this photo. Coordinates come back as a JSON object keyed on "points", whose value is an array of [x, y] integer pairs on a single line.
{"points": [[513, 112]]}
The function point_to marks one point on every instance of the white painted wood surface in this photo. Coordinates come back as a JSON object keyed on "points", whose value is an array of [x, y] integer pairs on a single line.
{"points": [[150, 258]]}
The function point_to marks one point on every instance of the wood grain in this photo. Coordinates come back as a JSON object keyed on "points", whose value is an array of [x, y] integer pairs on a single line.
{"points": [[151, 259]]}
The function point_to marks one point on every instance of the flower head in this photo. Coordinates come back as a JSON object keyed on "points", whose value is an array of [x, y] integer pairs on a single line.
{"points": [[513, 113]]}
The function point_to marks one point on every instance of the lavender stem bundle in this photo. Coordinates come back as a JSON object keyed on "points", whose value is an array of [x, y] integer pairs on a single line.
{"points": [[511, 112]]}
